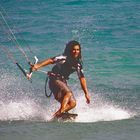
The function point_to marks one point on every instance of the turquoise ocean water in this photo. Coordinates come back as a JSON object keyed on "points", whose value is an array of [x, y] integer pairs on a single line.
{"points": [[109, 32]]}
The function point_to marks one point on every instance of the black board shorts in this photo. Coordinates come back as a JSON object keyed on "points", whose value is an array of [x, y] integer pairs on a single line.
{"points": [[59, 89]]}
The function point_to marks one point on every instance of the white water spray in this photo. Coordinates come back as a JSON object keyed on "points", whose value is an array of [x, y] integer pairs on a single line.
{"points": [[99, 111], [22, 106]]}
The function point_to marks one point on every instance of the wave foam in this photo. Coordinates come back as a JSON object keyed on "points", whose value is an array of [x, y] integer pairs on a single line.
{"points": [[100, 112], [30, 110], [22, 110]]}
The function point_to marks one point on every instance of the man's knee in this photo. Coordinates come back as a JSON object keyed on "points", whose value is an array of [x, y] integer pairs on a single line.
{"points": [[69, 94], [73, 103]]}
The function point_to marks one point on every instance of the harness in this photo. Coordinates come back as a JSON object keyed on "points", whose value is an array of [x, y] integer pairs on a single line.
{"points": [[52, 76]]}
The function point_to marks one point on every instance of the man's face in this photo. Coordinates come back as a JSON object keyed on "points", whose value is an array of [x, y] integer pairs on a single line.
{"points": [[75, 51]]}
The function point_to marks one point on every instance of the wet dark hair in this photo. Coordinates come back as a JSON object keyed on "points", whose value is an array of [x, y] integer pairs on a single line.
{"points": [[69, 48]]}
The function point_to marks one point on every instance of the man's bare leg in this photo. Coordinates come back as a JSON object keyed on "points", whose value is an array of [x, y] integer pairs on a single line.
{"points": [[67, 104]]}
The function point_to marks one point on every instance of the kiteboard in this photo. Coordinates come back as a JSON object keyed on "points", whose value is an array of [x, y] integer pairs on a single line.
{"points": [[65, 117]]}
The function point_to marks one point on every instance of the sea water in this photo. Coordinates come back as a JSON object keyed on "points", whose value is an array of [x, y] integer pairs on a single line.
{"points": [[109, 33]]}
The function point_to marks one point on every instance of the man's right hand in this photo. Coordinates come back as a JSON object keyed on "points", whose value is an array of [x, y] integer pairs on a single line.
{"points": [[32, 68], [29, 75]]}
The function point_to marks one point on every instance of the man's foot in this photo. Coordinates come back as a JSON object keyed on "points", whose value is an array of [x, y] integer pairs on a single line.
{"points": [[57, 114]]}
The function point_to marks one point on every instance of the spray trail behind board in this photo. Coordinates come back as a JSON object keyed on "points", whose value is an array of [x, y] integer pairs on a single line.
{"points": [[20, 101]]}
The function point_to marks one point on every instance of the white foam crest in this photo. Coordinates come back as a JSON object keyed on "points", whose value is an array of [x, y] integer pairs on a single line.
{"points": [[99, 111], [19, 102], [23, 110]]}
